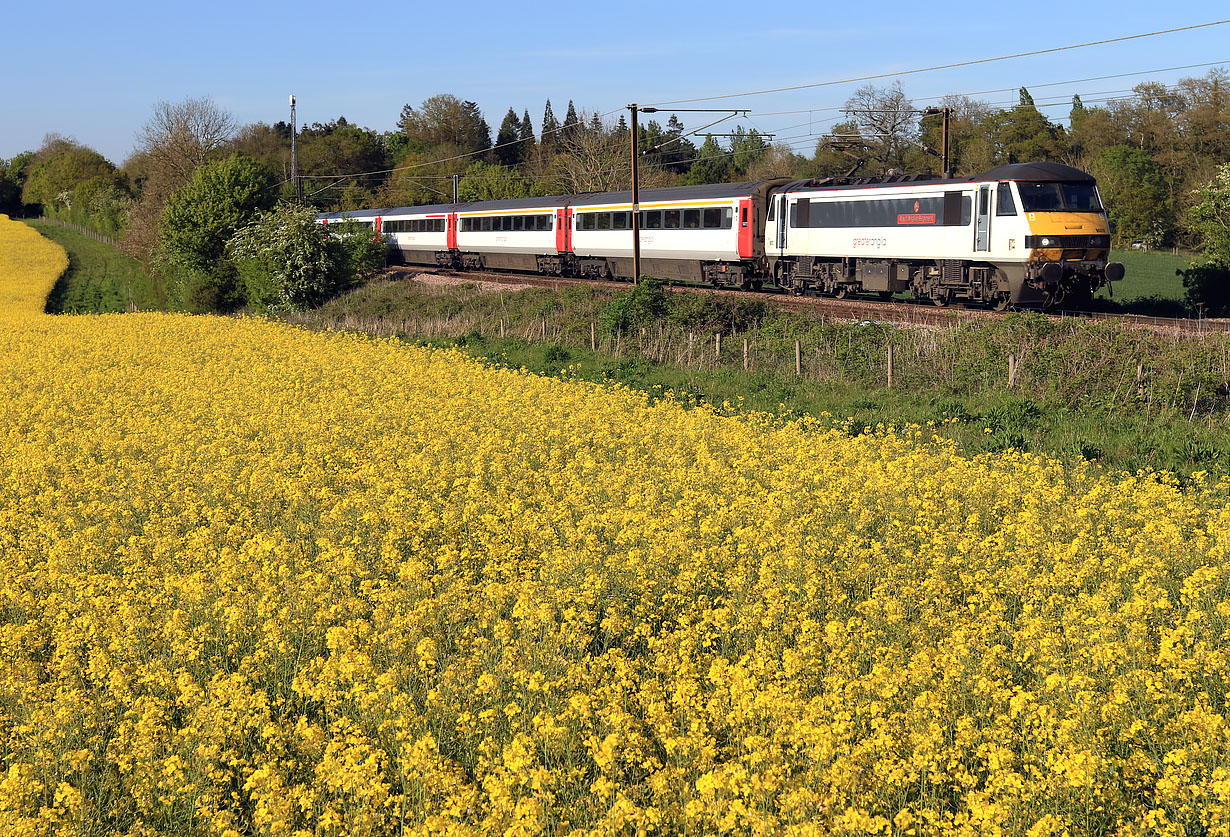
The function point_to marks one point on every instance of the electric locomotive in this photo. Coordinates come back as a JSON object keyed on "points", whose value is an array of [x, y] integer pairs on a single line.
{"points": [[1032, 234]]}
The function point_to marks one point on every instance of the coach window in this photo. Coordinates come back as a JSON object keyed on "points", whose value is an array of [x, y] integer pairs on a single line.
{"points": [[619, 220], [604, 220], [588, 221], [691, 219], [671, 221], [712, 218], [518, 223], [545, 222], [1004, 204], [487, 224], [652, 220]]}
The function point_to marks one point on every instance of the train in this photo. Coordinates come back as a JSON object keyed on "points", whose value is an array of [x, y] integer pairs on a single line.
{"points": [[1023, 234]]}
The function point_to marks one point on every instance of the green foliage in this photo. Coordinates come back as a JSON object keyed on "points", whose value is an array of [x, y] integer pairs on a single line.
{"points": [[12, 177], [283, 259], [1210, 216], [508, 151], [643, 302], [1207, 286], [445, 119], [58, 169], [199, 219], [491, 182], [712, 165], [356, 252], [1137, 199], [221, 197]]}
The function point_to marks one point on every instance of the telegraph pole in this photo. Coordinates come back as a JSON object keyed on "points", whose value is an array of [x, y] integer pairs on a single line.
{"points": [[636, 201], [945, 112], [636, 178], [294, 153]]}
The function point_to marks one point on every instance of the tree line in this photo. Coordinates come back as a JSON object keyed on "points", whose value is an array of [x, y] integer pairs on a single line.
{"points": [[1160, 156]]}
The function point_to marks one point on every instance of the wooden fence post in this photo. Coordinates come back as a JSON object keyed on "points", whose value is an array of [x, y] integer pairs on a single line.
{"points": [[593, 337], [717, 346], [1011, 371], [890, 365], [744, 354], [798, 357]]}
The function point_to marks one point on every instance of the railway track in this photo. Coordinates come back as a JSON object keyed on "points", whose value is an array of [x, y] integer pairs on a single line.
{"points": [[903, 312]]}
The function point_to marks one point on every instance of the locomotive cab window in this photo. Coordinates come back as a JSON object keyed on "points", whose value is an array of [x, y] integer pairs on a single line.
{"points": [[1004, 205], [1059, 197]]}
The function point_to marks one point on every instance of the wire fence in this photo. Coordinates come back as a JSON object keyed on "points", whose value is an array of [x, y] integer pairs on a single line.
{"points": [[86, 231]]}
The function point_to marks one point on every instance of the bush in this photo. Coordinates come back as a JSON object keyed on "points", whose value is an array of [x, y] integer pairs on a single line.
{"points": [[285, 260], [1208, 285], [200, 218]]}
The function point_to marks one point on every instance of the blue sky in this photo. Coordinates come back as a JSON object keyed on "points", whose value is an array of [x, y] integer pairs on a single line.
{"points": [[94, 71]]}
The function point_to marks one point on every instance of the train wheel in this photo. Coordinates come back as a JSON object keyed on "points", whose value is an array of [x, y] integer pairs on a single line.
{"points": [[1001, 302], [757, 284], [841, 292], [886, 295], [940, 300]]}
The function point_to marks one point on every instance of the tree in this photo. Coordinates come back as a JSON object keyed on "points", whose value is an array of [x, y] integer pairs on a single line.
{"points": [[550, 129], [887, 120], [181, 136], [12, 178], [329, 152], [508, 149], [712, 165], [1207, 282], [1209, 216], [572, 123], [526, 134], [1022, 135], [197, 221], [487, 182], [595, 162], [746, 149], [172, 144], [423, 176], [58, 168], [445, 119], [1136, 196]]}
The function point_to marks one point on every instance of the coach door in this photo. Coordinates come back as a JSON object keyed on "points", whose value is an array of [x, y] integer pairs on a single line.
{"points": [[563, 230], [982, 224], [782, 218]]}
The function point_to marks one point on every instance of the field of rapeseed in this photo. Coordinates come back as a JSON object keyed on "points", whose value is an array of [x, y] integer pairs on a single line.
{"points": [[255, 580]]}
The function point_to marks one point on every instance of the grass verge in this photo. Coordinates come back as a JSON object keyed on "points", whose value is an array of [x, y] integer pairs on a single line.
{"points": [[99, 279]]}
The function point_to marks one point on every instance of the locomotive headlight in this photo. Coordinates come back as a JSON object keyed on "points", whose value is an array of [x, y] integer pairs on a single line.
{"points": [[1046, 242]]}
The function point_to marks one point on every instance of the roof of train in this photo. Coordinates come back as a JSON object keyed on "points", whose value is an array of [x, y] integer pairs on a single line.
{"points": [[1046, 172], [709, 191]]}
